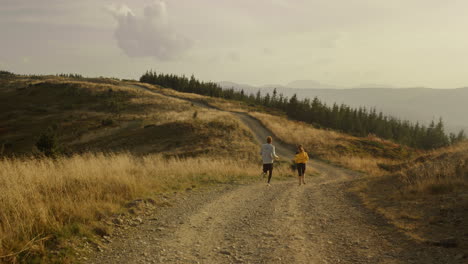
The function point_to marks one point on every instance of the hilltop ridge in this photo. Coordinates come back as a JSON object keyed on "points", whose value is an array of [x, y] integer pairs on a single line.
{"points": [[417, 104]]}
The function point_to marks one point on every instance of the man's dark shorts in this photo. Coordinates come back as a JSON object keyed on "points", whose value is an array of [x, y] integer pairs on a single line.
{"points": [[268, 167]]}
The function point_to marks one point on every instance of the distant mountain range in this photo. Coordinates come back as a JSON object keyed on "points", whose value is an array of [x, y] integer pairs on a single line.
{"points": [[414, 104]]}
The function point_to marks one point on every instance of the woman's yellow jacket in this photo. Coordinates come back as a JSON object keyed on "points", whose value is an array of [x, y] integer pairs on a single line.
{"points": [[301, 157]]}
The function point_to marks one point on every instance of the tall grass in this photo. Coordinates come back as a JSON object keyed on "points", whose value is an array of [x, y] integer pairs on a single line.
{"points": [[293, 132], [441, 171], [329, 145], [370, 165], [39, 197]]}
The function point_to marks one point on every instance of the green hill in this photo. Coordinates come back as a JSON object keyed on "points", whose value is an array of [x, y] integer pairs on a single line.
{"points": [[105, 115]]}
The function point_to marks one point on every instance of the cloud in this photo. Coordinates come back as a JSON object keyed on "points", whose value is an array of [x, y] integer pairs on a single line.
{"points": [[148, 35]]}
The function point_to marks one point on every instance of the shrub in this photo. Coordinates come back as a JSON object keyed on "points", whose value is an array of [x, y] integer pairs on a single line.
{"points": [[48, 143]]}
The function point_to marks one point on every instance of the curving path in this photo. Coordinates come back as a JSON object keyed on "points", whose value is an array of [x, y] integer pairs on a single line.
{"points": [[321, 222]]}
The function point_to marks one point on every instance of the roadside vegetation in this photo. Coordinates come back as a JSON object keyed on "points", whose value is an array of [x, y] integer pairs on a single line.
{"points": [[426, 197], [74, 151], [46, 202], [354, 121], [357, 153]]}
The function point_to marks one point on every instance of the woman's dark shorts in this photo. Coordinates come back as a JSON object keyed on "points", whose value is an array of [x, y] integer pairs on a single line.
{"points": [[301, 167]]}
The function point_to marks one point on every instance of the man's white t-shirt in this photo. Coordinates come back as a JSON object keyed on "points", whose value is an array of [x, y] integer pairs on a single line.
{"points": [[268, 153]]}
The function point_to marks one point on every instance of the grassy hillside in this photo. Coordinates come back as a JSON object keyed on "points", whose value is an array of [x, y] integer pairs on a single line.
{"points": [[368, 154], [91, 115], [115, 143], [362, 154], [426, 197]]}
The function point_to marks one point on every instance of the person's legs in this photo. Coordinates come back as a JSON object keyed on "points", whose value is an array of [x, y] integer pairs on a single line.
{"points": [[270, 171], [264, 170], [299, 172]]}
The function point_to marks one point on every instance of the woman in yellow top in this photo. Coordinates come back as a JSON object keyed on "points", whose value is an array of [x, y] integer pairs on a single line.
{"points": [[301, 159]]}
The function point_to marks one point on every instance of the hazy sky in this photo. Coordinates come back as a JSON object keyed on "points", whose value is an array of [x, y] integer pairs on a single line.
{"points": [[340, 42]]}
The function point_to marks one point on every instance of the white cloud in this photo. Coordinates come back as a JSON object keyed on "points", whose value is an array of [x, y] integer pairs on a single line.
{"points": [[150, 34]]}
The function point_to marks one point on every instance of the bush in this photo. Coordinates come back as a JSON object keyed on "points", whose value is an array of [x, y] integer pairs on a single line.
{"points": [[48, 143]]}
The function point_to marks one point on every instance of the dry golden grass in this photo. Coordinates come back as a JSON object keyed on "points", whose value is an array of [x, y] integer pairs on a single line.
{"points": [[326, 144], [368, 165], [40, 197], [77, 108], [439, 171], [426, 198], [294, 132], [218, 103]]}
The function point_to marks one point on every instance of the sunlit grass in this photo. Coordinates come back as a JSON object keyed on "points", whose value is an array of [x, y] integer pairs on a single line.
{"points": [[323, 143], [39, 197]]}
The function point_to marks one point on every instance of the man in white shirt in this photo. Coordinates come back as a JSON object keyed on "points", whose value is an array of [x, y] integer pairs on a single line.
{"points": [[268, 156]]}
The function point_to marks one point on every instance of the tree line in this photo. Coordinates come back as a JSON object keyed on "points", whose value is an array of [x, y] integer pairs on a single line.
{"points": [[355, 121]]}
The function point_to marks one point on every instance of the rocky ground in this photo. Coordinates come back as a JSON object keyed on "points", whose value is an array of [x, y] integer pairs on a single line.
{"points": [[320, 222]]}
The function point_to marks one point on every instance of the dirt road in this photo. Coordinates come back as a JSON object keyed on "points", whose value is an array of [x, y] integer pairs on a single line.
{"points": [[320, 222]]}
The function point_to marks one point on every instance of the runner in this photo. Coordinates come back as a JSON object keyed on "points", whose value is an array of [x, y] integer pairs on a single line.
{"points": [[268, 156], [301, 159]]}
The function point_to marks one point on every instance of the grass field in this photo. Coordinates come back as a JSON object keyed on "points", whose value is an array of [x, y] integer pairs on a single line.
{"points": [[109, 116], [46, 201], [361, 154], [425, 197]]}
